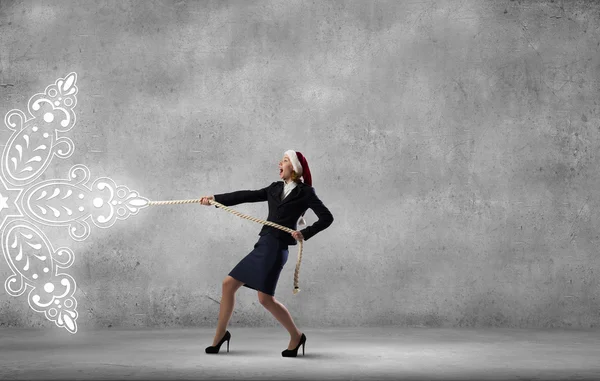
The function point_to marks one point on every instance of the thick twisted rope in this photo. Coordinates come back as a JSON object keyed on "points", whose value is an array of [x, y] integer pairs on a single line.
{"points": [[269, 223]]}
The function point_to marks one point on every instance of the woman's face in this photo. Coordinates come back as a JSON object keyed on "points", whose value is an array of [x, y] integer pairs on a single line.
{"points": [[285, 168]]}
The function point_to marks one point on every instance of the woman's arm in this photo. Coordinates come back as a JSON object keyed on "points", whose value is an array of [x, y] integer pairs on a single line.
{"points": [[324, 215], [241, 196]]}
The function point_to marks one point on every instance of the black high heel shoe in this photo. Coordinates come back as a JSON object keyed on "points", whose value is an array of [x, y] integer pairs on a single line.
{"points": [[215, 349], [294, 352]]}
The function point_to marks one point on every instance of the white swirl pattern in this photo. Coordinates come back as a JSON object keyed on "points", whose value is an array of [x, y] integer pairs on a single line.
{"points": [[57, 202]]}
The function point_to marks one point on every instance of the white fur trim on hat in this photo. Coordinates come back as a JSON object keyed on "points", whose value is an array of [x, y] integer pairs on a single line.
{"points": [[291, 154], [295, 162]]}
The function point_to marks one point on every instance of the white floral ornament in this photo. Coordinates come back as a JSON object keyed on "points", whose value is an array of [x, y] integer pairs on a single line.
{"points": [[56, 202], [35, 264], [59, 202], [33, 144]]}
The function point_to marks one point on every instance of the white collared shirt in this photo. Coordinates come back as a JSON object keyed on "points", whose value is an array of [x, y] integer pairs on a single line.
{"points": [[287, 188]]}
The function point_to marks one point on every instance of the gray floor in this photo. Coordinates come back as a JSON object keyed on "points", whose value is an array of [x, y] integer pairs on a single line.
{"points": [[342, 354]]}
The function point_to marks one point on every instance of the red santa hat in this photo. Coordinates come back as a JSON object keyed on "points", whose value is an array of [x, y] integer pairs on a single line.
{"points": [[300, 166]]}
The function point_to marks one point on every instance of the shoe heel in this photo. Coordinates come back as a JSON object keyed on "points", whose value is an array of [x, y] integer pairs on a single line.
{"points": [[227, 346]]}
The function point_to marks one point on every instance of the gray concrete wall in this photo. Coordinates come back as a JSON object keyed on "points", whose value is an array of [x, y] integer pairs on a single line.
{"points": [[455, 143]]}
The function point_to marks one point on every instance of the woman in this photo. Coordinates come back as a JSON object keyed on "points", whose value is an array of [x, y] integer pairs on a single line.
{"points": [[259, 270]]}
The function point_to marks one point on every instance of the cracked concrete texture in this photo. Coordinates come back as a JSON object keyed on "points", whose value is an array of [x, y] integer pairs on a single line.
{"points": [[454, 142]]}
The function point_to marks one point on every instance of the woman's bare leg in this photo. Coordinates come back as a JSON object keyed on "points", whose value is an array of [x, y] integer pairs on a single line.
{"points": [[230, 286], [282, 315]]}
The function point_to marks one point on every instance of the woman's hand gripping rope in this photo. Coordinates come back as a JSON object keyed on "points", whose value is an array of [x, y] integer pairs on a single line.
{"points": [[210, 200], [298, 236]]}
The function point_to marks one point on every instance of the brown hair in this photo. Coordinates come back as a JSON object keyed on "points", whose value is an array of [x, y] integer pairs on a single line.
{"points": [[295, 177]]}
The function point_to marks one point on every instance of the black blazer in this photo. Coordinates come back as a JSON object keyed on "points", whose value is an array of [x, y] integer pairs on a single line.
{"points": [[286, 212]]}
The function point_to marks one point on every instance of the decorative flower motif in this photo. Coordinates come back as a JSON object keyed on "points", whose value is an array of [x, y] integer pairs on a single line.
{"points": [[57, 202], [70, 202], [34, 142]]}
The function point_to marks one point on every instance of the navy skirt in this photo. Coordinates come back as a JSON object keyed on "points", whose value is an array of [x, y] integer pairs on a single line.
{"points": [[260, 269]]}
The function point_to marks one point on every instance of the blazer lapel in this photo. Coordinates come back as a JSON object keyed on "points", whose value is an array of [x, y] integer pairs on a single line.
{"points": [[294, 193], [277, 192]]}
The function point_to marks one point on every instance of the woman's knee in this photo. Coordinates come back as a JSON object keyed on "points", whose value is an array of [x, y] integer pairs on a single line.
{"points": [[231, 284], [265, 299]]}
